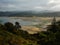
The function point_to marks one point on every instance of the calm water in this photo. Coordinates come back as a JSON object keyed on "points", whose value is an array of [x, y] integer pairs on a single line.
{"points": [[30, 24], [27, 20]]}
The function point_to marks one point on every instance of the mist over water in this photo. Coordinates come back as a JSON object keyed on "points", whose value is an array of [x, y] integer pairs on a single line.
{"points": [[22, 21], [28, 20], [30, 24]]}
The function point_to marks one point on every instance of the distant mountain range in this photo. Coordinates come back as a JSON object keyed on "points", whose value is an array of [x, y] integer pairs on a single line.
{"points": [[29, 13]]}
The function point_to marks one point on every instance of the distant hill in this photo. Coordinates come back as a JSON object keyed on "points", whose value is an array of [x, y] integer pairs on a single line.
{"points": [[29, 14]]}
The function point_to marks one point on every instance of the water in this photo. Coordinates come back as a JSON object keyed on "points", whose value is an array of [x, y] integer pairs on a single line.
{"points": [[13, 20], [27, 20], [30, 24]]}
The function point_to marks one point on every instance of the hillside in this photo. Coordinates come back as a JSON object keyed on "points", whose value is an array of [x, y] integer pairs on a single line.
{"points": [[15, 37], [10, 35], [29, 14], [7, 38]]}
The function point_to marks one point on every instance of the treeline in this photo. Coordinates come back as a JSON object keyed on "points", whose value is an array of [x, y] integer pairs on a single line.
{"points": [[29, 14], [49, 37]]}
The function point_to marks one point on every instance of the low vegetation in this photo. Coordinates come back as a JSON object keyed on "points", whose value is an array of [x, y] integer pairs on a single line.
{"points": [[13, 35]]}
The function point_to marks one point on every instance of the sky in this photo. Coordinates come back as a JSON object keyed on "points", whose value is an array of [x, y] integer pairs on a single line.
{"points": [[25, 5]]}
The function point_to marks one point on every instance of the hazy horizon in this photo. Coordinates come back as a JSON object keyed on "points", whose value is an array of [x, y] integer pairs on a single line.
{"points": [[29, 5]]}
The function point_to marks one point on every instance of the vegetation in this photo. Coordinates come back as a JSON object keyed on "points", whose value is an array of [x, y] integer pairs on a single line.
{"points": [[29, 14], [13, 35]]}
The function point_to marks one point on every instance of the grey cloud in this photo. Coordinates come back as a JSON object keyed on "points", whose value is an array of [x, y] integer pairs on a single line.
{"points": [[12, 5]]}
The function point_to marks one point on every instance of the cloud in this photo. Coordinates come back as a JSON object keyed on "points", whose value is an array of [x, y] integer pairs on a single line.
{"points": [[21, 5], [54, 5], [55, 8], [38, 7]]}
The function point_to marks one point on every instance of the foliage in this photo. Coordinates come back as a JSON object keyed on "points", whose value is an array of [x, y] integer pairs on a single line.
{"points": [[9, 35]]}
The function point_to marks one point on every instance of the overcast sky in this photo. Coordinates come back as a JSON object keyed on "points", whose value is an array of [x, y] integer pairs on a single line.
{"points": [[24, 5]]}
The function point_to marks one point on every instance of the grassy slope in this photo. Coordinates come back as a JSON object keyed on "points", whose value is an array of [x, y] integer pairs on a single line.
{"points": [[7, 38]]}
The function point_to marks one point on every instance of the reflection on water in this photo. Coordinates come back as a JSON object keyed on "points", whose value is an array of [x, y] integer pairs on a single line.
{"points": [[28, 20], [22, 21], [13, 20], [29, 23]]}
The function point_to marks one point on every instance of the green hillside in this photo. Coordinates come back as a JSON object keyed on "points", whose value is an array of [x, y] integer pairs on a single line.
{"points": [[7, 38], [12, 35], [14, 38]]}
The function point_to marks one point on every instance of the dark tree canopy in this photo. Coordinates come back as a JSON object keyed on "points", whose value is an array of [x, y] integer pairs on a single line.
{"points": [[17, 25], [9, 26]]}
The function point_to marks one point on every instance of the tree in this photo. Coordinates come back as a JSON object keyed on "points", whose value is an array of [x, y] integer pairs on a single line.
{"points": [[17, 26], [9, 26], [53, 27], [2, 27]]}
